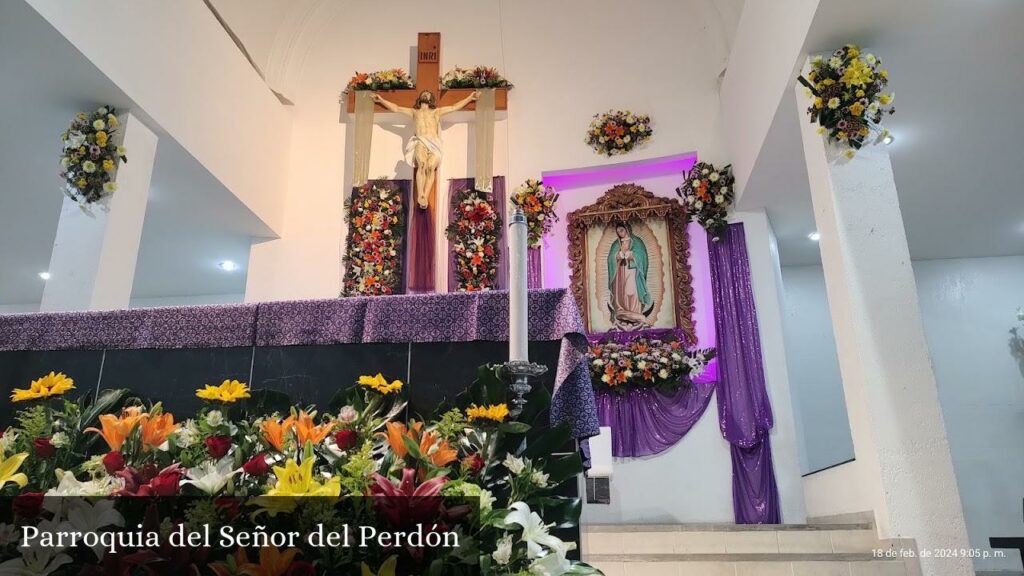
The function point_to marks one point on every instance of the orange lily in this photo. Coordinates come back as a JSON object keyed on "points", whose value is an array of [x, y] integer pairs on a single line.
{"points": [[274, 431], [115, 429], [156, 429], [307, 431], [273, 562], [396, 431], [442, 455]]}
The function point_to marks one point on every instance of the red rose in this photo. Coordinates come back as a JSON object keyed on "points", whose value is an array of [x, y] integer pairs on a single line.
{"points": [[165, 484], [27, 505], [473, 464], [257, 466], [301, 568], [229, 506], [113, 462], [44, 448], [345, 439], [217, 446]]}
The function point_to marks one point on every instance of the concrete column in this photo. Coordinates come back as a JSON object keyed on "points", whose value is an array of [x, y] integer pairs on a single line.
{"points": [[896, 421], [92, 266]]}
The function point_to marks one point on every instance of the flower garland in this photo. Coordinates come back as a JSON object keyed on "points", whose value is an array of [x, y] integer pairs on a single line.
{"points": [[376, 226], [478, 77], [393, 79], [474, 233], [90, 157], [849, 101], [618, 132], [645, 363], [238, 465], [538, 202], [708, 193]]}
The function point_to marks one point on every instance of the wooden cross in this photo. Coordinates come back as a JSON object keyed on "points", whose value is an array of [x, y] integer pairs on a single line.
{"points": [[428, 77]]}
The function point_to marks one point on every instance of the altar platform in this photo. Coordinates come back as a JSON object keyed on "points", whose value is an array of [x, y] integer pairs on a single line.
{"points": [[308, 349]]}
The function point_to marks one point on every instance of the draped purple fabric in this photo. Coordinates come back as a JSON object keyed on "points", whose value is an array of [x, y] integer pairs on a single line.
{"points": [[534, 280], [419, 263], [498, 198], [744, 410]]}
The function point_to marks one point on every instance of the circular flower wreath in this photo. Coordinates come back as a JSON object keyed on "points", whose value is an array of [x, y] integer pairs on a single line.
{"points": [[376, 225], [644, 363], [708, 193], [90, 157], [849, 101], [479, 77], [393, 79], [474, 232], [538, 202], [618, 132]]}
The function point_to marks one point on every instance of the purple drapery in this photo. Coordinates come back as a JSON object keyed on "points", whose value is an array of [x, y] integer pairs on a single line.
{"points": [[497, 195], [419, 265], [744, 410], [534, 280]]}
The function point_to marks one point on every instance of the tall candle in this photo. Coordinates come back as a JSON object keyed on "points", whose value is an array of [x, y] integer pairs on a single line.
{"points": [[518, 331]]}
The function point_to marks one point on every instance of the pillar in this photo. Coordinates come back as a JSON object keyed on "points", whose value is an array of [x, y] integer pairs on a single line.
{"points": [[896, 420], [92, 266]]}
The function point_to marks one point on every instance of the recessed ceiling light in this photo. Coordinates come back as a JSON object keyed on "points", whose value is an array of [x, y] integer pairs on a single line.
{"points": [[227, 266], [44, 275], [814, 236]]}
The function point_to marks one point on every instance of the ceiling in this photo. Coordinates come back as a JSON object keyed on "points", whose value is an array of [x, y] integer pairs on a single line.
{"points": [[180, 245], [957, 157]]}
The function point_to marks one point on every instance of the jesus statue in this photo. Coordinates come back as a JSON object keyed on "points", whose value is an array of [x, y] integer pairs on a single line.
{"points": [[424, 149]]}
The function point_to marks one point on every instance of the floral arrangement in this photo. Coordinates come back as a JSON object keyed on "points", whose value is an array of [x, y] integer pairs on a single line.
{"points": [[645, 363], [708, 193], [1017, 340], [849, 100], [90, 156], [479, 77], [474, 233], [393, 79], [248, 462], [618, 132], [376, 226], [538, 202]]}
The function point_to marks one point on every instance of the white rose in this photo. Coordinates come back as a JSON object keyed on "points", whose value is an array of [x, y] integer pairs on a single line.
{"points": [[705, 171], [103, 110], [663, 374], [719, 199], [713, 177], [99, 125], [725, 189], [696, 183], [214, 418], [698, 205]]}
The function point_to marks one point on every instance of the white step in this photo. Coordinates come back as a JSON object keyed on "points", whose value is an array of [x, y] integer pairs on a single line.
{"points": [[729, 539], [752, 568]]}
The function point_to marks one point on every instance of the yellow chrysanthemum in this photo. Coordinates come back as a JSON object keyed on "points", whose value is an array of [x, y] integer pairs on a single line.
{"points": [[53, 384], [380, 384], [495, 412], [856, 108], [229, 392], [297, 480]]}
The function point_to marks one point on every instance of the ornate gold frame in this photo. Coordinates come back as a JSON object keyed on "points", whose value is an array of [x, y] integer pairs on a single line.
{"points": [[632, 202]]}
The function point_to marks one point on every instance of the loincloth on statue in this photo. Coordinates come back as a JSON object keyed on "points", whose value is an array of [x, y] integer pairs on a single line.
{"points": [[433, 145]]}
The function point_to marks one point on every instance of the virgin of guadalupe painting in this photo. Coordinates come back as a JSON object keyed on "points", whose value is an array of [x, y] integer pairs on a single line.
{"points": [[629, 301], [629, 255]]}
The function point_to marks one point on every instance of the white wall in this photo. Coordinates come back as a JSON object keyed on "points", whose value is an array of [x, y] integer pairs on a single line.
{"points": [[564, 69], [174, 60], [196, 300], [822, 423], [968, 305], [19, 308]]}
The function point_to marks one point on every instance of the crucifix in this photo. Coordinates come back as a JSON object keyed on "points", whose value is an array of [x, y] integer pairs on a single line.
{"points": [[424, 148]]}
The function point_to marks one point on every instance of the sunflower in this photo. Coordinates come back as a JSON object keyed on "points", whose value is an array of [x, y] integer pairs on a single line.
{"points": [[494, 412], [229, 392], [53, 384]]}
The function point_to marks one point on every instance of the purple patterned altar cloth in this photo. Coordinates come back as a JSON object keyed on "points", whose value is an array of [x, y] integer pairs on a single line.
{"points": [[460, 317]]}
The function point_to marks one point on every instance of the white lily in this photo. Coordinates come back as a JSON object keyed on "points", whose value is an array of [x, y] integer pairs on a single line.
{"points": [[550, 565], [37, 560], [71, 486], [211, 477], [535, 531], [85, 518], [515, 465]]}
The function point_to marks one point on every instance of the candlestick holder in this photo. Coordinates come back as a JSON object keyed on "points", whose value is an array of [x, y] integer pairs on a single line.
{"points": [[522, 371]]}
